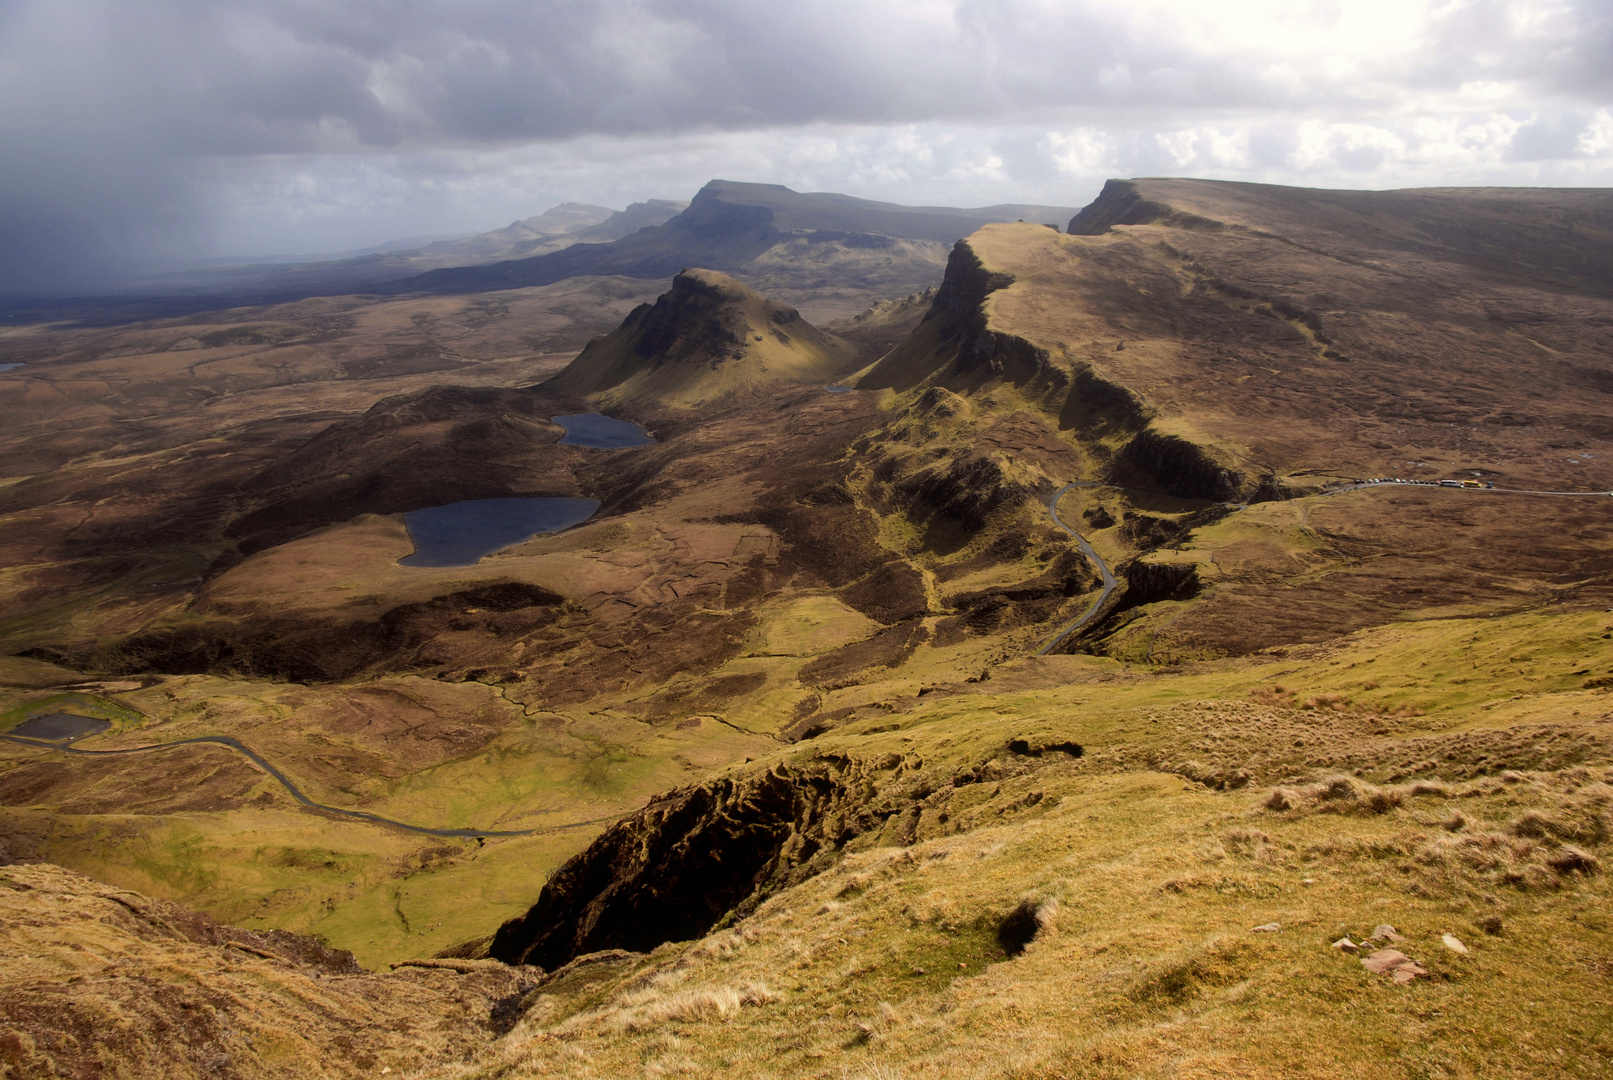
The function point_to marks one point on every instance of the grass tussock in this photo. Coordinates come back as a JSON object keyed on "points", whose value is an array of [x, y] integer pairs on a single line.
{"points": [[650, 1008]]}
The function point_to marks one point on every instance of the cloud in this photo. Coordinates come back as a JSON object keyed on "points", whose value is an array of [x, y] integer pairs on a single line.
{"points": [[153, 127]]}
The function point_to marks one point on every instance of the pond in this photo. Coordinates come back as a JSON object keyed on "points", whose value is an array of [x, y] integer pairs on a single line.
{"points": [[12, 367], [60, 727], [600, 431], [459, 534], [840, 389]]}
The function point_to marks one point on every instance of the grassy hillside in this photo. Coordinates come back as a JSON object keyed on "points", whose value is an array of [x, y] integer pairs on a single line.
{"points": [[707, 338]]}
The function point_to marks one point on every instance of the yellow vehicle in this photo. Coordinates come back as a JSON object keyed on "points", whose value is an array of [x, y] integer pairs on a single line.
{"points": [[1471, 483]]}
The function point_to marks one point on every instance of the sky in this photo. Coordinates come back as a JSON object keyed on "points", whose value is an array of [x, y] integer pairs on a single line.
{"points": [[137, 134]]}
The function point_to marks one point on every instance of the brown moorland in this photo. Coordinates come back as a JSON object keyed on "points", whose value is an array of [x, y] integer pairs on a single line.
{"points": [[829, 811]]}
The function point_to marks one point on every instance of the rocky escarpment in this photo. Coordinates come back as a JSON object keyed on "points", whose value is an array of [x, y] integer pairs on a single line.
{"points": [[693, 858], [1184, 469], [954, 342], [1148, 582], [707, 855], [959, 304], [1121, 203]]}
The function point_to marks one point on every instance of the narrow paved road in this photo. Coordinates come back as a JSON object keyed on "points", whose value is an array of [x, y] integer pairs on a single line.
{"points": [[258, 760], [1361, 485], [1110, 582]]}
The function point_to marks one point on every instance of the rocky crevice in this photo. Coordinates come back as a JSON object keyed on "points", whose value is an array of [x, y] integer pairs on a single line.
{"points": [[705, 856]]}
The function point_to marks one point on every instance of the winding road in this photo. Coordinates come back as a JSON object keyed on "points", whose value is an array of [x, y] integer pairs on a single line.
{"points": [[1110, 582], [296, 793], [1361, 485]]}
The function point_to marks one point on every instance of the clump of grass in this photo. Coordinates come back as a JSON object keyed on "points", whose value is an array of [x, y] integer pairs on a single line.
{"points": [[1341, 794], [1185, 976], [1276, 695], [649, 1008]]}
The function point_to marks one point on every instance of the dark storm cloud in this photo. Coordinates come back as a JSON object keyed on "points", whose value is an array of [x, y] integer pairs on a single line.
{"points": [[118, 117]]}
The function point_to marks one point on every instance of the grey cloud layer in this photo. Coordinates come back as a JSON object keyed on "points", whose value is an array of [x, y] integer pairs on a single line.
{"points": [[277, 76], [130, 123]]}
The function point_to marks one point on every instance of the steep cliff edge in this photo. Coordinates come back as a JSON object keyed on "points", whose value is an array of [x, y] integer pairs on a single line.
{"points": [[709, 855], [1023, 305], [955, 339]]}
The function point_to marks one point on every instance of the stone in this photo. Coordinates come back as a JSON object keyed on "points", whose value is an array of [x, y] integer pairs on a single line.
{"points": [[1344, 944], [1454, 944], [1395, 964], [1385, 932], [1268, 928]]}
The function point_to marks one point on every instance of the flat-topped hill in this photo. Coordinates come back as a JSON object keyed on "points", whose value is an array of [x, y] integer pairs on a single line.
{"points": [[833, 252], [1288, 331], [706, 337]]}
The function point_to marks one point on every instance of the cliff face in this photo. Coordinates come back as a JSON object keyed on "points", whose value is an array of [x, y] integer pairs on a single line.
{"points": [[708, 855], [677, 868], [1181, 467], [955, 339], [1121, 202]]}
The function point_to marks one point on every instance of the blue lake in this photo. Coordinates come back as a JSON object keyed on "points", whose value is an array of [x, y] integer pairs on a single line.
{"points": [[840, 389], [600, 431], [11, 367], [459, 534]]}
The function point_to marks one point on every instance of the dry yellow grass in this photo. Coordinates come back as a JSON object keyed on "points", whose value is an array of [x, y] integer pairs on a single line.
{"points": [[98, 981]]}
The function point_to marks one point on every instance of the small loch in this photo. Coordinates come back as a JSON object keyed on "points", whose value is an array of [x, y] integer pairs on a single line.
{"points": [[601, 431], [12, 366], [459, 534]]}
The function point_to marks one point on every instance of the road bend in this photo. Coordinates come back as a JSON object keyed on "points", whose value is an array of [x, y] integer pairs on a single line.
{"points": [[296, 793], [1110, 582]]}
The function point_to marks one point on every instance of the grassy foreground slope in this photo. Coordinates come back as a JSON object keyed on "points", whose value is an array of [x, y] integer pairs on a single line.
{"points": [[1327, 791]]}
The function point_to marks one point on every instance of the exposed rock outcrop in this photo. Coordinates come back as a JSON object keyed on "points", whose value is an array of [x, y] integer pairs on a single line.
{"points": [[955, 339], [1182, 468], [1121, 203], [1149, 582], [680, 866]]}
